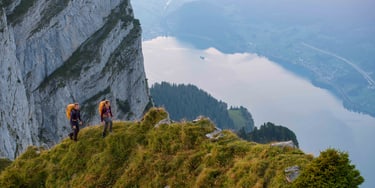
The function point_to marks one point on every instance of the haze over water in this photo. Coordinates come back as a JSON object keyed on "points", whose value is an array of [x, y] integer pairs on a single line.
{"points": [[271, 93]]}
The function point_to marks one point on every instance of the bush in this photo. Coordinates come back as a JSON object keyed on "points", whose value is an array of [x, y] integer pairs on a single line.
{"points": [[331, 169]]}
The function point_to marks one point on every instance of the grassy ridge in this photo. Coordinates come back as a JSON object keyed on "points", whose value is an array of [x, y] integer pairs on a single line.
{"points": [[139, 155]]}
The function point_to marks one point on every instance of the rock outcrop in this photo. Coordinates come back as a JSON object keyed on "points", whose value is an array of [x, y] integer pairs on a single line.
{"points": [[54, 52], [289, 143], [292, 173]]}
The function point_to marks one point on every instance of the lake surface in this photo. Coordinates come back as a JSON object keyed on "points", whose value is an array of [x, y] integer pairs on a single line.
{"points": [[271, 93]]}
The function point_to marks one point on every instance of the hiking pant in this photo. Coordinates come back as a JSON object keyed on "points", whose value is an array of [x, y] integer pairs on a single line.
{"points": [[75, 131], [107, 122]]}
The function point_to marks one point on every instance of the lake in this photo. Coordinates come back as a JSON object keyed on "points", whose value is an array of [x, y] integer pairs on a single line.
{"points": [[271, 93]]}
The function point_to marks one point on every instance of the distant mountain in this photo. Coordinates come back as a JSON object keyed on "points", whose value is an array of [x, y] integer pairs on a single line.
{"points": [[331, 43], [189, 102], [138, 154]]}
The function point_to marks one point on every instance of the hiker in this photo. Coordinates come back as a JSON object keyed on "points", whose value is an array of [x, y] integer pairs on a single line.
{"points": [[75, 121], [106, 116]]}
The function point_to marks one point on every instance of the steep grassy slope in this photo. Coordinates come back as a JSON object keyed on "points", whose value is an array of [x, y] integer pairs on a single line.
{"points": [[138, 154], [4, 163]]}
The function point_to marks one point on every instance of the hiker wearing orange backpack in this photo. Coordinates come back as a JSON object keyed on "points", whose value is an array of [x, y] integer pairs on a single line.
{"points": [[73, 113], [106, 116]]}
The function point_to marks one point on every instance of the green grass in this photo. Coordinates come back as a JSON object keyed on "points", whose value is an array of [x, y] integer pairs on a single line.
{"points": [[139, 155], [241, 118], [4, 163], [237, 118]]}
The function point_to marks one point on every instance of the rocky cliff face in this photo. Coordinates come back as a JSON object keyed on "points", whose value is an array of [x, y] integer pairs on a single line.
{"points": [[55, 52]]}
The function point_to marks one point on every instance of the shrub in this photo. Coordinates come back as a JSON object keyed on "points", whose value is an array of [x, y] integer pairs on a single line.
{"points": [[331, 169]]}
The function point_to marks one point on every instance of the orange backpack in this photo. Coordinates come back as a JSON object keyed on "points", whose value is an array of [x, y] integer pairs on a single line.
{"points": [[68, 110], [101, 106]]}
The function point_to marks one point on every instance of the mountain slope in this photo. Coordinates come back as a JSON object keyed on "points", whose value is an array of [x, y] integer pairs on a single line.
{"points": [[242, 118], [138, 154], [59, 52], [189, 102]]}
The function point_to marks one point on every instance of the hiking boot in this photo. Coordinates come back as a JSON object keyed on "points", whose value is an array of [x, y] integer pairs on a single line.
{"points": [[103, 135], [71, 136]]}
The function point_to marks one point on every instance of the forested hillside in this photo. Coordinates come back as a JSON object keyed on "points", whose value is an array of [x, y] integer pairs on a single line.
{"points": [[188, 102], [269, 132]]}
